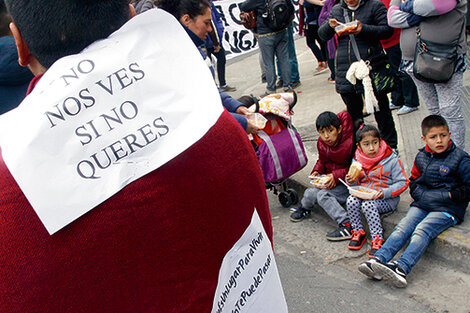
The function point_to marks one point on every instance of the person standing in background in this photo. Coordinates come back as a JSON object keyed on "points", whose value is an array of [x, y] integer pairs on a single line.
{"points": [[214, 47], [295, 75], [312, 10], [405, 96], [333, 42], [271, 43], [441, 22]]}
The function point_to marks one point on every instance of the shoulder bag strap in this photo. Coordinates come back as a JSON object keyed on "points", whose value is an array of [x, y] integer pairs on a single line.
{"points": [[351, 37]]}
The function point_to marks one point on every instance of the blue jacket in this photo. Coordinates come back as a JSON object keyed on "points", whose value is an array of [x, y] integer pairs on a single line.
{"points": [[228, 102], [435, 175], [14, 79], [218, 26]]}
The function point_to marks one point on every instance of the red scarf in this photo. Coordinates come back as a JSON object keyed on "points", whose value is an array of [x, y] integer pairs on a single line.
{"points": [[367, 162]]}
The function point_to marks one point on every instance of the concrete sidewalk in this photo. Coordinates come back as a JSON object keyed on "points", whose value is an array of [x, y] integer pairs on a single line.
{"points": [[315, 96]]}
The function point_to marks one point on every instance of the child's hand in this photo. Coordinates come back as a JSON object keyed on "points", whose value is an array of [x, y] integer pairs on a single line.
{"points": [[314, 174], [349, 179], [251, 128], [379, 195], [331, 182], [243, 110]]}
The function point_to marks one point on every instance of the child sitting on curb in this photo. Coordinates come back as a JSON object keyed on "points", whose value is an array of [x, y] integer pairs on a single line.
{"points": [[383, 172], [440, 188], [335, 148]]}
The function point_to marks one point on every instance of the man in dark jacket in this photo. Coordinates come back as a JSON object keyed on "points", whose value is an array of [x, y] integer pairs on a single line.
{"points": [[440, 188], [14, 79], [371, 16], [271, 42]]}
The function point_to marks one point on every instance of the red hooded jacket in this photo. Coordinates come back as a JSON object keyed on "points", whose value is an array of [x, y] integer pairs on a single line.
{"points": [[336, 159]]}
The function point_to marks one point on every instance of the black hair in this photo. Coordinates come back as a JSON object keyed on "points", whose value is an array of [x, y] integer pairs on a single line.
{"points": [[178, 8], [431, 121], [4, 20], [327, 119], [247, 101], [365, 130], [53, 29]]}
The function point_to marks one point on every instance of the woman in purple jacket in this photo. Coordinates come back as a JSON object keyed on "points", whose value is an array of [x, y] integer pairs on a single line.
{"points": [[331, 44]]}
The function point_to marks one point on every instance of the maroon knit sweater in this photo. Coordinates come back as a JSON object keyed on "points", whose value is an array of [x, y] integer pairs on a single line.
{"points": [[155, 246]]}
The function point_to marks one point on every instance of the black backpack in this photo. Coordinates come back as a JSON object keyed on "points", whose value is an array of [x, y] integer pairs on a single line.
{"points": [[279, 14]]}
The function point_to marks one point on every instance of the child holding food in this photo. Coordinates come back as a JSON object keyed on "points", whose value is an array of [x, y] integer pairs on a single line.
{"points": [[335, 149], [440, 188], [381, 179]]}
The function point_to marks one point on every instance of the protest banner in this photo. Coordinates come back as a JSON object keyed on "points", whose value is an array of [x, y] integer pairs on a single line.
{"points": [[237, 39]]}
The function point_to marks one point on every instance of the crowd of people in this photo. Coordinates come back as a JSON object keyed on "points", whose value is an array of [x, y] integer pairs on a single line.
{"points": [[131, 252]]}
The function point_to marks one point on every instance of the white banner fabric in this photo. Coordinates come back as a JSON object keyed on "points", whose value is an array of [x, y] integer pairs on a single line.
{"points": [[248, 278], [237, 39], [99, 120]]}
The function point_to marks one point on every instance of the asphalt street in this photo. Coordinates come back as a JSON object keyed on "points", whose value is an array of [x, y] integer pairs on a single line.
{"points": [[321, 276]]}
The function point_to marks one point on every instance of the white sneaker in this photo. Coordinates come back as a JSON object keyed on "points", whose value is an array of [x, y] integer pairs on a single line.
{"points": [[405, 110]]}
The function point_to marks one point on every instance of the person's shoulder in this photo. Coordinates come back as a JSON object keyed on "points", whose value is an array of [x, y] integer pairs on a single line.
{"points": [[345, 119], [376, 5], [336, 8]]}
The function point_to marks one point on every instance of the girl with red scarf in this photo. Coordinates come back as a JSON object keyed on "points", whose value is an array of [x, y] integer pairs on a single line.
{"points": [[382, 171]]}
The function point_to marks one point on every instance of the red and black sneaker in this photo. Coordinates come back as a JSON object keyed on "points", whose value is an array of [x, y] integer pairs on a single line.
{"points": [[377, 242], [357, 240]]}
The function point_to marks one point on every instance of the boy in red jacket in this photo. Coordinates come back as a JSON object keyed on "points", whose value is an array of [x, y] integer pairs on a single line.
{"points": [[335, 148]]}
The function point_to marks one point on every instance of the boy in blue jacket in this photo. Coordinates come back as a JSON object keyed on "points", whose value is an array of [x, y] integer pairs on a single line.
{"points": [[440, 188]]}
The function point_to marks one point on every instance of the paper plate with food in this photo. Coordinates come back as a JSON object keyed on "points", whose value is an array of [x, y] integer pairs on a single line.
{"points": [[319, 181], [362, 192]]}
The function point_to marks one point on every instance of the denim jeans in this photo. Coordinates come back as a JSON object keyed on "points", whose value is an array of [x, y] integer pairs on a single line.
{"points": [[275, 45], [422, 227], [292, 58]]}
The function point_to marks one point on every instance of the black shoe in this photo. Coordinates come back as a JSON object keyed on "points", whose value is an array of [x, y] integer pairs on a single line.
{"points": [[279, 84], [296, 84], [357, 239], [392, 272], [366, 269], [227, 88], [343, 232], [288, 89], [267, 93], [299, 214]]}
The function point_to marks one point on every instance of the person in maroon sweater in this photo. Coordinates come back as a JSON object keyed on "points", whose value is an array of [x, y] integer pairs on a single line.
{"points": [[335, 150], [156, 245]]}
